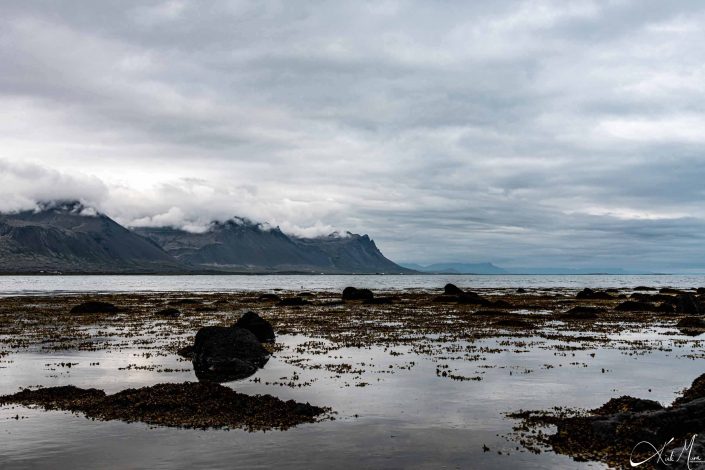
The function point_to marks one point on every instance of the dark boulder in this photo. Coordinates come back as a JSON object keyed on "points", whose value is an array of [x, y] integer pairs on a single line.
{"points": [[688, 304], [695, 391], [668, 290], [671, 299], [93, 306], [700, 291], [353, 293], [645, 288], [169, 313], [521, 290], [261, 328], [627, 404], [589, 294], [222, 354], [452, 289]]}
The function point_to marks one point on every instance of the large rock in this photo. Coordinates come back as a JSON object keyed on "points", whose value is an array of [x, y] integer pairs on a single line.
{"points": [[222, 354], [353, 293], [589, 294], [632, 428], [261, 328], [688, 304], [452, 289]]}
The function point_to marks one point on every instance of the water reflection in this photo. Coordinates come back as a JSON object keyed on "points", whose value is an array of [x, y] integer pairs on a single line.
{"points": [[394, 410]]}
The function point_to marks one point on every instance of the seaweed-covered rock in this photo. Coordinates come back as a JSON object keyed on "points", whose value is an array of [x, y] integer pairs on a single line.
{"points": [[589, 294], [688, 304], [627, 404], [353, 293], [185, 405], [261, 328], [169, 312], [694, 392], [452, 289], [222, 354], [93, 306], [629, 429]]}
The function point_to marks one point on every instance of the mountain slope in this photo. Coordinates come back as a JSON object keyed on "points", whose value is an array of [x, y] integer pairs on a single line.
{"points": [[242, 246], [353, 253], [70, 238], [234, 244]]}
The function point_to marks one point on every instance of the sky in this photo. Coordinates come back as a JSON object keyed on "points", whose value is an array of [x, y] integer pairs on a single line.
{"points": [[525, 133]]}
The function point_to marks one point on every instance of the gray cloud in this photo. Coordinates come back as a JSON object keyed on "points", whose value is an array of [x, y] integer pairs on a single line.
{"points": [[522, 132]]}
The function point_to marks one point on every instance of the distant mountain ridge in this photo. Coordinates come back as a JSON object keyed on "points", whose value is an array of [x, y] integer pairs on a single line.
{"points": [[489, 268], [458, 268], [68, 237], [241, 245]]}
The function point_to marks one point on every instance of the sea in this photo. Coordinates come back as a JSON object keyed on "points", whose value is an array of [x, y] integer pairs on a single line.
{"points": [[57, 284]]}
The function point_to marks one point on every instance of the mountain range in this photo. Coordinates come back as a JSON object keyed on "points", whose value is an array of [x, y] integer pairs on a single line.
{"points": [[68, 237]]}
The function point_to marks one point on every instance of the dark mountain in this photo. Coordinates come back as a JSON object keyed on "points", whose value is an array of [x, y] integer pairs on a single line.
{"points": [[71, 238], [236, 244], [458, 268], [352, 253], [239, 245]]}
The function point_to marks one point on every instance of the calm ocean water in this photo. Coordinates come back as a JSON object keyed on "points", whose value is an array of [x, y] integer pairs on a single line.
{"points": [[27, 285]]}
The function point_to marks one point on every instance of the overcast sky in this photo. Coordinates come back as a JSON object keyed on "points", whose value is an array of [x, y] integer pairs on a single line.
{"points": [[532, 133]]}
